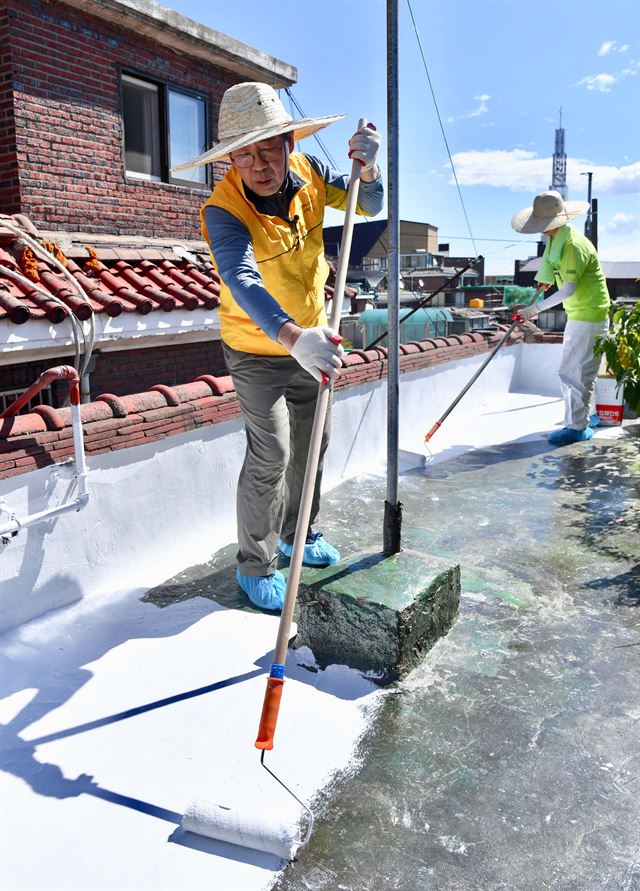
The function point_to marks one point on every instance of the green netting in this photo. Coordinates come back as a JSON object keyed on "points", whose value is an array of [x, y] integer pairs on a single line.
{"points": [[424, 322], [514, 294]]}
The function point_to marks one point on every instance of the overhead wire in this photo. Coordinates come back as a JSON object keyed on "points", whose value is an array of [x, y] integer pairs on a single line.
{"points": [[293, 101], [379, 240], [444, 135]]}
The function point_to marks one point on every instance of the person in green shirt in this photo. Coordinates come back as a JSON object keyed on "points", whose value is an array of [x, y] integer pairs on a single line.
{"points": [[570, 262]]}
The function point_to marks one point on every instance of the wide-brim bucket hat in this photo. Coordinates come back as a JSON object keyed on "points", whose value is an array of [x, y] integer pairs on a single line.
{"points": [[549, 211], [250, 112]]}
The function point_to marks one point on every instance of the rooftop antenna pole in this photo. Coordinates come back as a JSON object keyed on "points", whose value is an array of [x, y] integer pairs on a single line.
{"points": [[588, 226], [392, 507]]}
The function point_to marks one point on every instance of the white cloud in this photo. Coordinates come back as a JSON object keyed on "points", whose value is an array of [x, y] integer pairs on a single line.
{"points": [[609, 46], [607, 179], [606, 47], [603, 82], [518, 169], [482, 108], [523, 171], [622, 224], [631, 70]]}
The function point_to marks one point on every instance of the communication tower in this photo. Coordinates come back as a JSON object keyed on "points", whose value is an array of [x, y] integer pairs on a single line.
{"points": [[559, 170]]}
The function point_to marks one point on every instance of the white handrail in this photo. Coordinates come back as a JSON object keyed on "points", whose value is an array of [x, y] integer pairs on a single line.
{"points": [[10, 528]]}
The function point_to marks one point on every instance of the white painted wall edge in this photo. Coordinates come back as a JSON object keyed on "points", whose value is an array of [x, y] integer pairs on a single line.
{"points": [[159, 508], [38, 338]]}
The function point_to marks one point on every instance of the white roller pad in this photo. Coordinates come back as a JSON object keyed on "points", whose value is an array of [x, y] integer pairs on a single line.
{"points": [[260, 831]]}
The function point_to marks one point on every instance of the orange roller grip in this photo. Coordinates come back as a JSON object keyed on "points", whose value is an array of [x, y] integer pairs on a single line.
{"points": [[432, 431], [269, 716]]}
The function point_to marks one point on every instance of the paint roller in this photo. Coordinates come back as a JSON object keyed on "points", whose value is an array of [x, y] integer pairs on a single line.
{"points": [[270, 834], [516, 319], [240, 826]]}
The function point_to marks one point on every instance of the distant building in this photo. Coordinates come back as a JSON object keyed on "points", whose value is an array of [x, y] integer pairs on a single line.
{"points": [[424, 263], [98, 100], [499, 280], [370, 242]]}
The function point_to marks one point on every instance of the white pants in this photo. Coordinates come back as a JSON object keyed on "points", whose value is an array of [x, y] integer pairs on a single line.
{"points": [[578, 370]]}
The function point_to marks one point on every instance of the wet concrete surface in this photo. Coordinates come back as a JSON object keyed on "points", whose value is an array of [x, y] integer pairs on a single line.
{"points": [[510, 758]]}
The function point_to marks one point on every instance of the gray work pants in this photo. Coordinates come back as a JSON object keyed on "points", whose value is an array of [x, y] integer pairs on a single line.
{"points": [[278, 399], [578, 370]]}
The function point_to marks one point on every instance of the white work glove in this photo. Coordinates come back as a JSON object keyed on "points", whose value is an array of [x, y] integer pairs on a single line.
{"points": [[364, 145], [526, 312], [319, 352]]}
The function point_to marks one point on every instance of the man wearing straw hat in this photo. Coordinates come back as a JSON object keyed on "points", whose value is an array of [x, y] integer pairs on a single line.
{"points": [[570, 262], [263, 223]]}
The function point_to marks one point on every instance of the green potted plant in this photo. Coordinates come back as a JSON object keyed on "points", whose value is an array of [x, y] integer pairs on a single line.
{"points": [[621, 350]]}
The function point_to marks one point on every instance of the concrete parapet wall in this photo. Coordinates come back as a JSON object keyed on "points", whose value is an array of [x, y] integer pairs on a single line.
{"points": [[112, 423], [163, 467]]}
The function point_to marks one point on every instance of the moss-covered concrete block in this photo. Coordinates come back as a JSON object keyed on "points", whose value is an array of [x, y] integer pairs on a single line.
{"points": [[377, 614]]}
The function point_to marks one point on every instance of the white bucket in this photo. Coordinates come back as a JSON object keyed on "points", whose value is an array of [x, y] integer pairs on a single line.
{"points": [[609, 400]]}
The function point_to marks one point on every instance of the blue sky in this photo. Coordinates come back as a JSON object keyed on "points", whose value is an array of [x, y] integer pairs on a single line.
{"points": [[500, 71]]}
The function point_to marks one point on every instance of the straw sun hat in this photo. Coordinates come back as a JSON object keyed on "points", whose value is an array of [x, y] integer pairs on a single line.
{"points": [[251, 112], [549, 211]]}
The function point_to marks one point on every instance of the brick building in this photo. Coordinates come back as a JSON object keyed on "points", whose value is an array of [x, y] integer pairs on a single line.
{"points": [[98, 99]]}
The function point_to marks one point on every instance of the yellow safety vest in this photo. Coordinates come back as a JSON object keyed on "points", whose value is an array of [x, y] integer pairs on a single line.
{"points": [[292, 264]]}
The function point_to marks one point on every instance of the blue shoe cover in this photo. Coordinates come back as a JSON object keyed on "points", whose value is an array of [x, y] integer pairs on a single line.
{"points": [[594, 420], [568, 435], [317, 552], [265, 591]]}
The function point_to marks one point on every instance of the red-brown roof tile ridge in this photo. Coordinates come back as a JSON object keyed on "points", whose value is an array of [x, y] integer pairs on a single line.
{"points": [[89, 285], [14, 309], [220, 386], [169, 393], [425, 345], [42, 306], [408, 348], [128, 273], [367, 356], [186, 298], [353, 357], [59, 286], [191, 279], [211, 279], [143, 304], [107, 406]]}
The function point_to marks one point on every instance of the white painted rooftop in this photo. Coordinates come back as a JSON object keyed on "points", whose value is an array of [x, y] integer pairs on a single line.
{"points": [[115, 713]]}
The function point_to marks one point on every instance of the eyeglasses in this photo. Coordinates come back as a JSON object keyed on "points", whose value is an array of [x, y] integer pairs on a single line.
{"points": [[268, 154]]}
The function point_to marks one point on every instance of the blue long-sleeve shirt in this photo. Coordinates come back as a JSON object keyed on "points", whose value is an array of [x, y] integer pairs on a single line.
{"points": [[232, 248]]}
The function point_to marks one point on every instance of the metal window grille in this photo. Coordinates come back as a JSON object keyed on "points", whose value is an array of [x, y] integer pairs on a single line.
{"points": [[7, 397]]}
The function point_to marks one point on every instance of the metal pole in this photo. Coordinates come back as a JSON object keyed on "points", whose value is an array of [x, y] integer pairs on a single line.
{"points": [[588, 226], [594, 223], [392, 507]]}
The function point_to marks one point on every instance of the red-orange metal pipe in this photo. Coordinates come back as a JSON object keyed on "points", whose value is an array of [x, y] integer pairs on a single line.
{"points": [[64, 372]]}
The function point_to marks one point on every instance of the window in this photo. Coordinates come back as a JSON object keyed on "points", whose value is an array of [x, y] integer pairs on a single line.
{"points": [[187, 134], [8, 397], [163, 127]]}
